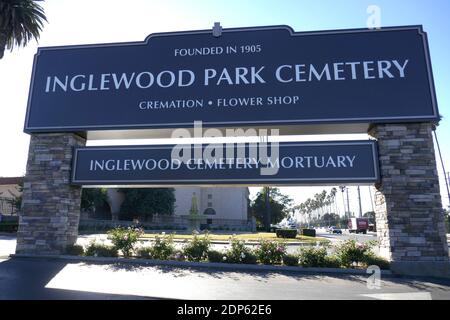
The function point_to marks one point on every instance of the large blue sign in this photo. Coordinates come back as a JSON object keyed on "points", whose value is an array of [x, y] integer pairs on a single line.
{"points": [[245, 76], [248, 164]]}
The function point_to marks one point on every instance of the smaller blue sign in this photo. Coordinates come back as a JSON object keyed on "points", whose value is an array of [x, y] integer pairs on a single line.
{"points": [[284, 163]]}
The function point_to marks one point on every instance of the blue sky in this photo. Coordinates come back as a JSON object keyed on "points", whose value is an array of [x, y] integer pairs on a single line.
{"points": [[101, 21]]}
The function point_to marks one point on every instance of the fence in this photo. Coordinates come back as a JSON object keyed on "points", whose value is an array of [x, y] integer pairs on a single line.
{"points": [[174, 223], [8, 206]]}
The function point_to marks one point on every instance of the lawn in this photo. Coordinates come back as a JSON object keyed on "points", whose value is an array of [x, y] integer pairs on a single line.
{"points": [[244, 236]]}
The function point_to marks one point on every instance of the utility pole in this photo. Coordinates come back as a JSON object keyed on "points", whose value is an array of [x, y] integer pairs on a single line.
{"points": [[442, 162], [448, 182], [371, 199], [348, 203], [267, 222], [359, 200], [343, 199]]}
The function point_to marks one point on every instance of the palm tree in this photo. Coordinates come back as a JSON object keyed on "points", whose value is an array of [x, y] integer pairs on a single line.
{"points": [[20, 22]]}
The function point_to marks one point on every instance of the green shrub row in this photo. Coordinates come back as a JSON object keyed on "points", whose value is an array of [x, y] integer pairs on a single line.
{"points": [[348, 254]]}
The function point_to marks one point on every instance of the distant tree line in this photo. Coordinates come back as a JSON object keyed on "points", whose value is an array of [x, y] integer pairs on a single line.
{"points": [[139, 203]]}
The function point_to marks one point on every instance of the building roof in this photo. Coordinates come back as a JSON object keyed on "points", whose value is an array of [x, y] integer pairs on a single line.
{"points": [[10, 180]]}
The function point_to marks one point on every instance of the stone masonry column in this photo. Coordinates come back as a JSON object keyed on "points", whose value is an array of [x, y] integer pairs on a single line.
{"points": [[409, 213], [50, 205]]}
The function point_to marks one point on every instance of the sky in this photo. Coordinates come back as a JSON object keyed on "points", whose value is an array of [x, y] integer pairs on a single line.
{"points": [[103, 21]]}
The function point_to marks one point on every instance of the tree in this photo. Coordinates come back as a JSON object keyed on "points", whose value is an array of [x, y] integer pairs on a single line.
{"points": [[370, 215], [20, 22], [143, 203], [92, 198], [279, 205], [17, 202]]}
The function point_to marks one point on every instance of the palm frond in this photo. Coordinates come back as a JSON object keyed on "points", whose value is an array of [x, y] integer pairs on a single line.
{"points": [[20, 22]]}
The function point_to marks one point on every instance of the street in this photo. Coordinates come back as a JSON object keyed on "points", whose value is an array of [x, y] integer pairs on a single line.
{"points": [[361, 238], [22, 278]]}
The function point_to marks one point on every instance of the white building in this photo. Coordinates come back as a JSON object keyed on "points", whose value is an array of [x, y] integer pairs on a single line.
{"points": [[220, 206], [227, 203], [9, 191]]}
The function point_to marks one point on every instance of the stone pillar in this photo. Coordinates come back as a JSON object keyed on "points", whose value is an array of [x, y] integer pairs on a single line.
{"points": [[50, 205], [409, 213]]}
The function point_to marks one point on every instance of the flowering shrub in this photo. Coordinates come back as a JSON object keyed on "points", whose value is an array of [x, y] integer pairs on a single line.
{"points": [[197, 248], [100, 250], [239, 253], [313, 257], [162, 248], [216, 256], [290, 260], [177, 255], [124, 239], [270, 252], [353, 254], [144, 252], [332, 261], [75, 250], [371, 259]]}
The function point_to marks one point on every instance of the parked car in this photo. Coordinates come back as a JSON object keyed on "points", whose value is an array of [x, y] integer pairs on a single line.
{"points": [[335, 230], [274, 227], [291, 225]]}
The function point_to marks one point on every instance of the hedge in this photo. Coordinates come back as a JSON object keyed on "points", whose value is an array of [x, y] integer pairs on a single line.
{"points": [[286, 233], [309, 232]]}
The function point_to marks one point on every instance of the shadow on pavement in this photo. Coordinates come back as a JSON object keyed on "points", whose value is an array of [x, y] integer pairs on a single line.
{"points": [[25, 279], [420, 283]]}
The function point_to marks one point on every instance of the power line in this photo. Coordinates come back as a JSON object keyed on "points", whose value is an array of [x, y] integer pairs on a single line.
{"points": [[442, 161]]}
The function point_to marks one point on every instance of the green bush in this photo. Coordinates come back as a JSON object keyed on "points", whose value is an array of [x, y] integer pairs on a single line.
{"points": [[144, 252], [197, 248], [313, 257], [177, 255], [250, 258], [286, 233], [290, 260], [353, 254], [216, 256], [162, 248], [332, 262], [100, 250], [270, 252], [371, 260], [124, 239], [238, 252], [309, 232], [75, 250]]}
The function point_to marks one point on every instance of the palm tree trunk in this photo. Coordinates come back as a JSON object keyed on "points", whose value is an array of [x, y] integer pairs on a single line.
{"points": [[2, 44]]}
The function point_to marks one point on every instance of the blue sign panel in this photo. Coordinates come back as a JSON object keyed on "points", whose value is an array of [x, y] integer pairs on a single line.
{"points": [[248, 164], [246, 76]]}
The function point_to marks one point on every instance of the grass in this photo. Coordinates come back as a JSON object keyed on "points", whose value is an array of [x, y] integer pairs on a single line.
{"points": [[243, 236]]}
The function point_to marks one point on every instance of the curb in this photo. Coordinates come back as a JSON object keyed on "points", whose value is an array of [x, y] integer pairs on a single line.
{"points": [[210, 265]]}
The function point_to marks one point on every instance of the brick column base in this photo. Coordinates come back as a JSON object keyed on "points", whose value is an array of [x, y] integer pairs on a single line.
{"points": [[50, 205], [409, 213]]}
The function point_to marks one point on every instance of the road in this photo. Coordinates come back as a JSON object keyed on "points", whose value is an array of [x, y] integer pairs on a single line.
{"points": [[361, 238], [50, 279]]}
